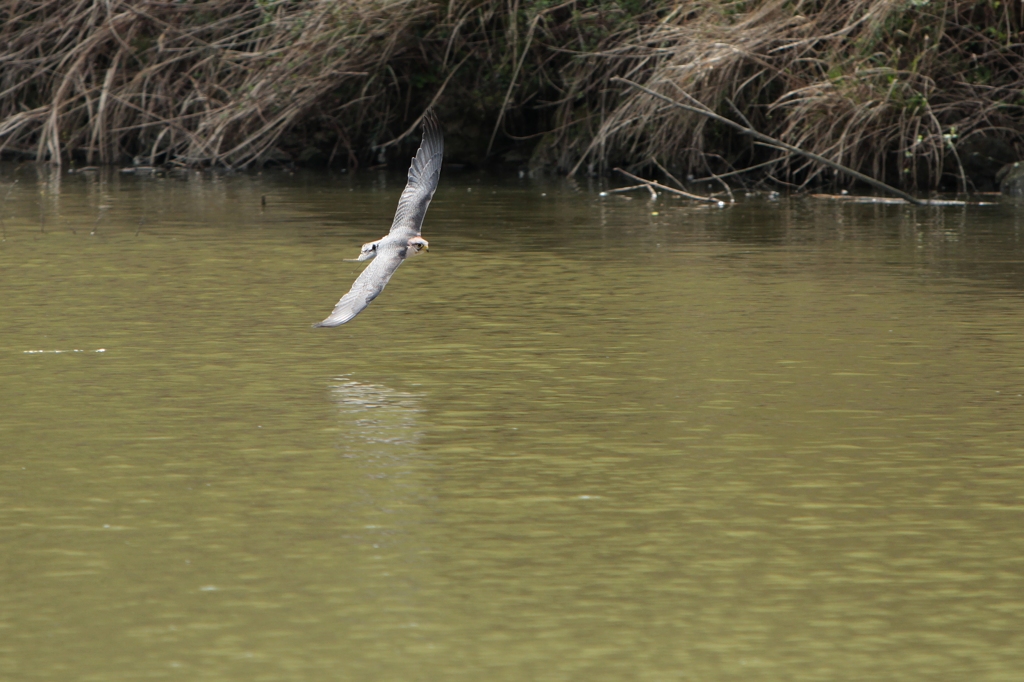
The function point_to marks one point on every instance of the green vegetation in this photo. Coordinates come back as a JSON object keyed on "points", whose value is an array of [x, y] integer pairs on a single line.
{"points": [[897, 89]]}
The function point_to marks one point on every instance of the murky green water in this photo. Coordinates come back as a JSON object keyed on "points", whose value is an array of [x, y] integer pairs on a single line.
{"points": [[576, 441]]}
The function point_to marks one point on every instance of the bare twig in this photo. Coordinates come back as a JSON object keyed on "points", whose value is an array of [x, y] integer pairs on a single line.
{"points": [[512, 84], [621, 190], [728, 190], [652, 184], [743, 170], [519, 65], [437, 95], [669, 175]]}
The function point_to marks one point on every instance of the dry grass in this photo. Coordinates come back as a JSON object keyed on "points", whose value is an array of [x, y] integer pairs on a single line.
{"points": [[208, 82], [886, 87], [883, 86]]}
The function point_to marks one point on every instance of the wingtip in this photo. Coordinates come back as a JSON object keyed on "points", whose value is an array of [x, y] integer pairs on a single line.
{"points": [[430, 121], [328, 323]]}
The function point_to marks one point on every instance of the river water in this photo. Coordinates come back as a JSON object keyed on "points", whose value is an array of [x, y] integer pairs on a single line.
{"points": [[584, 438]]}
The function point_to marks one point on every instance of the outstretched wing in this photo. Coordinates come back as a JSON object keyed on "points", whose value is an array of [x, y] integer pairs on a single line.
{"points": [[423, 176], [367, 287]]}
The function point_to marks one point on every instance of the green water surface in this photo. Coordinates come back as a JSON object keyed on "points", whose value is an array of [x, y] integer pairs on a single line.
{"points": [[584, 438]]}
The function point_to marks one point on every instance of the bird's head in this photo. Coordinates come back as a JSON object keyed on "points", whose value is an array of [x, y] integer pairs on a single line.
{"points": [[416, 245]]}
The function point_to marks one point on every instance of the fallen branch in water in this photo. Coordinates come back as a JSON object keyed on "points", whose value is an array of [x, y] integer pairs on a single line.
{"points": [[704, 111], [895, 200], [651, 184], [728, 190], [620, 190]]}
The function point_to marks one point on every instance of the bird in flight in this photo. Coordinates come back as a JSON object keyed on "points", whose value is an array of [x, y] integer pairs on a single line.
{"points": [[404, 240]]}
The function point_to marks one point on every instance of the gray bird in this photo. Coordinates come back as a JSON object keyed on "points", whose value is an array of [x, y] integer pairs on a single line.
{"points": [[404, 240]]}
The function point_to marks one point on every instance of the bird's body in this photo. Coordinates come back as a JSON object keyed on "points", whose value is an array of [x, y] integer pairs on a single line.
{"points": [[404, 240]]}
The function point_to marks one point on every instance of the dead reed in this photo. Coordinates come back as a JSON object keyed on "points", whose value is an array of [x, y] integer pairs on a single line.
{"points": [[887, 87], [891, 88], [206, 82]]}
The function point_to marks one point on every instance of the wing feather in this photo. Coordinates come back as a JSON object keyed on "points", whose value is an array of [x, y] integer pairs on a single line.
{"points": [[424, 173], [367, 287]]}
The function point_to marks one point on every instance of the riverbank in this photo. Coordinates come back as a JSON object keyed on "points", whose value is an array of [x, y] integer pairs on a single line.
{"points": [[918, 94]]}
